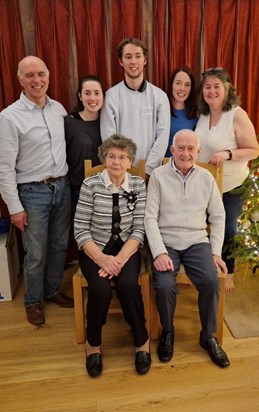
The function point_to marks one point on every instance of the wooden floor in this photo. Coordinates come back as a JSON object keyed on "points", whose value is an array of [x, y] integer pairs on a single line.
{"points": [[44, 369]]}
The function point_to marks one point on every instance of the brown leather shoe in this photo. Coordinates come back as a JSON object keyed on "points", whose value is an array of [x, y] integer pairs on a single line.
{"points": [[61, 300], [35, 314]]}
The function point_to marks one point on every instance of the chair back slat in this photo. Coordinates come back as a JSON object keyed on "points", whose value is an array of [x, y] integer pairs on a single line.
{"points": [[134, 170]]}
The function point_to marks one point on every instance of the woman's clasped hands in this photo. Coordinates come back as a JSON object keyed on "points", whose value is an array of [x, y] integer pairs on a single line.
{"points": [[109, 266]]}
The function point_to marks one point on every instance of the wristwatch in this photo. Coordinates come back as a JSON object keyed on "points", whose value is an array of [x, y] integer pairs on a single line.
{"points": [[229, 154]]}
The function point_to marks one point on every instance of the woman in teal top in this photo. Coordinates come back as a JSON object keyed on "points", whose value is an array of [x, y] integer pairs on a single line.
{"points": [[182, 97]]}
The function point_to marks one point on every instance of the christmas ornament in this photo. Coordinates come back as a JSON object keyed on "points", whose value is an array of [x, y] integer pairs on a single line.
{"points": [[254, 216], [245, 223]]}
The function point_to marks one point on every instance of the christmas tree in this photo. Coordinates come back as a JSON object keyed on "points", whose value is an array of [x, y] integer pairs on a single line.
{"points": [[245, 244]]}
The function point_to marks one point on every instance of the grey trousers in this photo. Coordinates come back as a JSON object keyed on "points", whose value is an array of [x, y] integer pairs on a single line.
{"points": [[201, 269]]}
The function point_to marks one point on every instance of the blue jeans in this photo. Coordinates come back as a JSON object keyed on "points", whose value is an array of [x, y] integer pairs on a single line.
{"points": [[45, 238], [200, 267], [233, 206]]}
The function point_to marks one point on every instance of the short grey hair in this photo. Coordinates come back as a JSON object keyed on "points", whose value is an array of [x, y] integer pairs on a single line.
{"points": [[184, 132], [120, 142]]}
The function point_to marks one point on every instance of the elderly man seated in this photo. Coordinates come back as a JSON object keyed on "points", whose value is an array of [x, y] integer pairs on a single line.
{"points": [[182, 199]]}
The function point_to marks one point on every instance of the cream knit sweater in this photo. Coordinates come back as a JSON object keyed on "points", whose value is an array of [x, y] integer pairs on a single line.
{"points": [[177, 211]]}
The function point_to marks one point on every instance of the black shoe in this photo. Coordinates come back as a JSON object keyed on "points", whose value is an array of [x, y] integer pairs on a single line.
{"points": [[94, 365], [165, 348], [215, 351], [142, 362]]}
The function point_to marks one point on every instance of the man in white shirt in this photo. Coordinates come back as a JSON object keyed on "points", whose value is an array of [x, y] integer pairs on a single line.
{"points": [[136, 108], [34, 185]]}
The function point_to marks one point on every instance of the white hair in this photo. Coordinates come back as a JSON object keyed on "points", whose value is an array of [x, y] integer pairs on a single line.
{"points": [[186, 132]]}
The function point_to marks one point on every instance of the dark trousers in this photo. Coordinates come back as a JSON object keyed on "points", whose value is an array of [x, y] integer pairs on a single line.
{"points": [[233, 206], [200, 267], [100, 294]]}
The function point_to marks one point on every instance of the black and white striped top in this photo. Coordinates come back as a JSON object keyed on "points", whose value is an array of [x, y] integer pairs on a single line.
{"points": [[93, 217]]}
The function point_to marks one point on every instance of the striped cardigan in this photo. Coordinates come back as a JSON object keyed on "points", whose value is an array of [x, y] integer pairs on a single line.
{"points": [[93, 217]]}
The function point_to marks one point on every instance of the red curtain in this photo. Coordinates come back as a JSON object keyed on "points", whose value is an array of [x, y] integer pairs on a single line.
{"points": [[77, 37], [252, 87], [160, 44], [248, 58], [126, 21], [220, 35], [231, 38], [184, 34], [11, 51], [52, 44], [91, 38]]}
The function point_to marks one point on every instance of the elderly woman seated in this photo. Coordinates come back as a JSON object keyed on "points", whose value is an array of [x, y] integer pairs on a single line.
{"points": [[109, 229]]}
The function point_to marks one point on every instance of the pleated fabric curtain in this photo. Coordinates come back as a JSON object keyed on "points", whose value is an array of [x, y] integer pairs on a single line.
{"points": [[52, 40], [89, 19], [125, 20], [231, 38], [184, 33], [11, 51], [221, 35], [78, 37], [248, 58], [160, 44]]}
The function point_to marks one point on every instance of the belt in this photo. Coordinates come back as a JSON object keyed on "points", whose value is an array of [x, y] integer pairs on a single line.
{"points": [[50, 180]]}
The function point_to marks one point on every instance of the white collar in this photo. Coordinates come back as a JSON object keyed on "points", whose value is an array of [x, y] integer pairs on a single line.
{"points": [[109, 185]]}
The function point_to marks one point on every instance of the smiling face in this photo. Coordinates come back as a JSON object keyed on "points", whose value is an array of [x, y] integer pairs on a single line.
{"points": [[33, 76], [185, 150], [181, 88], [91, 96], [117, 162], [133, 61], [214, 92]]}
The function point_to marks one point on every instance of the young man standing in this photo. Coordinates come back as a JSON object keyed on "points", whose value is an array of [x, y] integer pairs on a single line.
{"points": [[136, 108]]}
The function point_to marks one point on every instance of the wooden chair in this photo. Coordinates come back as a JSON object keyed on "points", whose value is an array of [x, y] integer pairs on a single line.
{"points": [[183, 279], [80, 283]]}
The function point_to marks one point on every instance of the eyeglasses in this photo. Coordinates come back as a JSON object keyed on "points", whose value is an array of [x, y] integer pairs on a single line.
{"points": [[122, 159], [213, 69]]}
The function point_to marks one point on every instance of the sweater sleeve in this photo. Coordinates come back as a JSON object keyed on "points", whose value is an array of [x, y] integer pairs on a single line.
{"points": [[216, 219], [83, 216], [108, 117], [154, 237], [162, 118], [138, 232]]}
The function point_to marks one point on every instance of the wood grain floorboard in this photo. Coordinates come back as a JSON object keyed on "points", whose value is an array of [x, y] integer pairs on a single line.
{"points": [[43, 369]]}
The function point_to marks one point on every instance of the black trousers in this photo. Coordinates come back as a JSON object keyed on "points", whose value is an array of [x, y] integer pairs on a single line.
{"points": [[100, 294]]}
